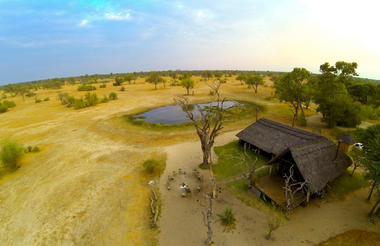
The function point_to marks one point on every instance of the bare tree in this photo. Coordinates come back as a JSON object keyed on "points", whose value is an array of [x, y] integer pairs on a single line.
{"points": [[215, 87], [291, 187], [209, 125]]}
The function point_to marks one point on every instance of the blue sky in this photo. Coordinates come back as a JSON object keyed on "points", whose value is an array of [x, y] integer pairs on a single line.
{"points": [[57, 38]]}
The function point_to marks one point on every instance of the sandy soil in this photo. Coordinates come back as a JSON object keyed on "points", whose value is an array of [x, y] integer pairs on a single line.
{"points": [[182, 220]]}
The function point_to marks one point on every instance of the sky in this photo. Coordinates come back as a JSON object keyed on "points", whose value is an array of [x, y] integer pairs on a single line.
{"points": [[59, 38]]}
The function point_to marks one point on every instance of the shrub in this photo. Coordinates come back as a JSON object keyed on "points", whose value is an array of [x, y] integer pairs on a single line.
{"points": [[122, 88], [46, 99], [5, 105], [112, 96], [3, 108], [28, 149], [30, 94], [32, 149], [70, 101], [227, 217], [37, 100], [86, 88], [36, 149], [103, 86], [9, 104], [153, 166], [11, 153], [78, 103], [64, 98], [91, 99], [104, 99]]}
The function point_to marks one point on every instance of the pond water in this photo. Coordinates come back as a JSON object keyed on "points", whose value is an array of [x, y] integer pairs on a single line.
{"points": [[175, 115]]}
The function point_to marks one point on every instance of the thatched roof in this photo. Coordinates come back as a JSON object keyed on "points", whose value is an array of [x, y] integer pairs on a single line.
{"points": [[318, 163], [274, 137], [314, 155]]}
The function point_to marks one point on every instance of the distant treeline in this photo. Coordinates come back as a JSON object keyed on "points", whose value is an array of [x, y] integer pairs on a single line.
{"points": [[57, 83]]}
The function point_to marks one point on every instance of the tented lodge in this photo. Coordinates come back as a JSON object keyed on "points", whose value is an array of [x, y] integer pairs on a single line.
{"points": [[311, 160]]}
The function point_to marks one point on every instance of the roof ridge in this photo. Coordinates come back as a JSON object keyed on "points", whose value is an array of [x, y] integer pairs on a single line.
{"points": [[289, 130]]}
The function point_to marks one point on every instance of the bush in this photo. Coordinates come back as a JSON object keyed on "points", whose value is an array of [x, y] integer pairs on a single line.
{"points": [[103, 86], [37, 100], [104, 99], [91, 99], [64, 98], [86, 88], [5, 105], [11, 153], [3, 108], [9, 104], [28, 149], [46, 99], [30, 94], [32, 149], [78, 103], [152, 166], [112, 96], [227, 217], [122, 88], [36, 149]]}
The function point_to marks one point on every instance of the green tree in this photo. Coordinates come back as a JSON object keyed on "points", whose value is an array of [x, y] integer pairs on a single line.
{"points": [[218, 74], [292, 88], [188, 84], [254, 80], [331, 95], [128, 77], [154, 78], [362, 91], [174, 76], [11, 153], [241, 77], [71, 80], [370, 138], [207, 75], [118, 81]]}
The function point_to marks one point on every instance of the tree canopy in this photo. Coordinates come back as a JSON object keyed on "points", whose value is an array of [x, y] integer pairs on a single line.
{"points": [[293, 88], [188, 84], [154, 78], [254, 80], [330, 93]]}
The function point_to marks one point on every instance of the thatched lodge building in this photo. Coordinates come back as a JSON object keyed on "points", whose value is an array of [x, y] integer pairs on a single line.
{"points": [[314, 160]]}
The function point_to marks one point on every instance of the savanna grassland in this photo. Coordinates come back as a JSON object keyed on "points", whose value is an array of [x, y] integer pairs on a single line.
{"points": [[87, 186]]}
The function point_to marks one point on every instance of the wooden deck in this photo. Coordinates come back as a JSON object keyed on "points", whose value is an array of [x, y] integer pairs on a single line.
{"points": [[272, 187]]}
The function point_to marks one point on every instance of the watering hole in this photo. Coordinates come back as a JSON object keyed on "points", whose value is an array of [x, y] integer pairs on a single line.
{"points": [[173, 114]]}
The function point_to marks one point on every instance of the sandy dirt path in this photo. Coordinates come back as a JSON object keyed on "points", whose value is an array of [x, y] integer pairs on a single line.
{"points": [[182, 221]]}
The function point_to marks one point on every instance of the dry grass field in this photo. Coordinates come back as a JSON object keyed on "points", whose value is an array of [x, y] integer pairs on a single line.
{"points": [[86, 185]]}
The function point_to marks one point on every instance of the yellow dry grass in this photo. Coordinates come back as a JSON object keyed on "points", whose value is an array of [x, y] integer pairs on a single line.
{"points": [[86, 187]]}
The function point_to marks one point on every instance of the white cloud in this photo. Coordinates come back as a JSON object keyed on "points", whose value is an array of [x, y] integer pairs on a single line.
{"points": [[83, 23], [118, 16]]}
